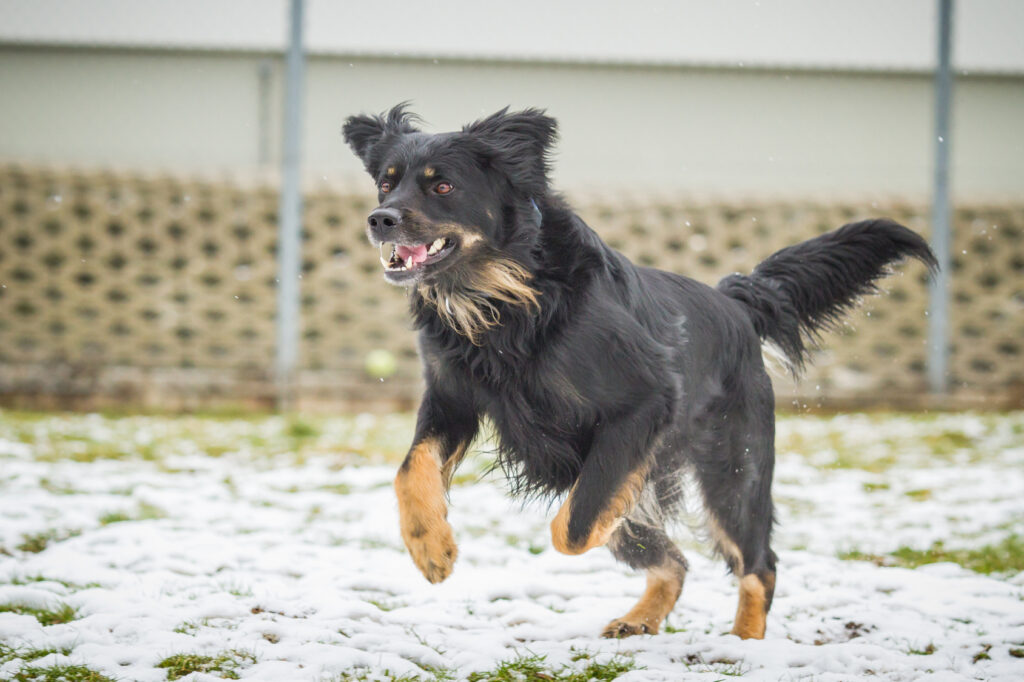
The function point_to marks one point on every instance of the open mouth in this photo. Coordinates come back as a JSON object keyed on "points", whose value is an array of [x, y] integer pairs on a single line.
{"points": [[406, 259]]}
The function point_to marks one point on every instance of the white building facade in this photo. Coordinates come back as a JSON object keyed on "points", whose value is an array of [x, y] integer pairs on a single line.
{"points": [[791, 98]]}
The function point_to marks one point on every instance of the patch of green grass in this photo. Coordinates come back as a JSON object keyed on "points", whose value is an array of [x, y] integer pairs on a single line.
{"points": [[383, 606], [947, 442], [438, 674], [441, 675], [603, 671], [718, 666], [919, 495], [36, 654], [37, 542], [9, 653], [983, 655], [32, 579], [76, 448], [62, 437], [339, 488], [516, 541], [300, 429], [524, 667], [847, 459], [927, 651], [57, 489], [875, 487], [1004, 557], [533, 667], [114, 517], [144, 512], [925, 439], [846, 453], [189, 627], [467, 478], [59, 673], [55, 616], [224, 665]]}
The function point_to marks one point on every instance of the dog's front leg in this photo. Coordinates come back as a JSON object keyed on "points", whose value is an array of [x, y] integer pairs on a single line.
{"points": [[422, 483], [423, 512], [609, 484]]}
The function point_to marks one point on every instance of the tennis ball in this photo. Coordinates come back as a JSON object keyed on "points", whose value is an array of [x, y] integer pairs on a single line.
{"points": [[380, 363]]}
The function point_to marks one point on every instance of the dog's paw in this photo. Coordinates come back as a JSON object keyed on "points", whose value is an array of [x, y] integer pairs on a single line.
{"points": [[619, 628], [433, 552]]}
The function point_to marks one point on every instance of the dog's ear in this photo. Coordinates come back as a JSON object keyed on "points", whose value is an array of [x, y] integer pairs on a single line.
{"points": [[519, 143], [364, 134]]}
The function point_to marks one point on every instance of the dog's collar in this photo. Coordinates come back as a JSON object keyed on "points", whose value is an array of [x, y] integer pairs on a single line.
{"points": [[537, 216]]}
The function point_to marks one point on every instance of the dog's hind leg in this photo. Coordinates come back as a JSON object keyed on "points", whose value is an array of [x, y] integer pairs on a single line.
{"points": [[740, 518], [732, 445], [648, 547], [754, 563]]}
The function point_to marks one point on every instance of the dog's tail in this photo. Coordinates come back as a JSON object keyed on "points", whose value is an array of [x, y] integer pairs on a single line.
{"points": [[797, 292]]}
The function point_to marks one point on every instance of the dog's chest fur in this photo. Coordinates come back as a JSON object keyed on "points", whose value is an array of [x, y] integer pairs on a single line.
{"points": [[540, 420]]}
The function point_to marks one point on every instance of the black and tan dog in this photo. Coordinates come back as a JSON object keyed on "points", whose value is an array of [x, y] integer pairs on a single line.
{"points": [[605, 381]]}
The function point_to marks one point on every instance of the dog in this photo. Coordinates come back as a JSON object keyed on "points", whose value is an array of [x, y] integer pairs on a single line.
{"points": [[606, 383]]}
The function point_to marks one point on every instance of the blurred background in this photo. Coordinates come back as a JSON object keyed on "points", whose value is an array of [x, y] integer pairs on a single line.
{"points": [[142, 147]]}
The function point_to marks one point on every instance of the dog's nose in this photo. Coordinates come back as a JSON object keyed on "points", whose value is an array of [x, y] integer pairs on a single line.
{"points": [[384, 219]]}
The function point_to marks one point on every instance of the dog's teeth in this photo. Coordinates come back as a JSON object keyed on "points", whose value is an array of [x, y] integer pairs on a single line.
{"points": [[436, 246]]}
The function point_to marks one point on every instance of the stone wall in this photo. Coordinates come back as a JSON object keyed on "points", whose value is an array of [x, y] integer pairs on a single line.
{"points": [[157, 291]]}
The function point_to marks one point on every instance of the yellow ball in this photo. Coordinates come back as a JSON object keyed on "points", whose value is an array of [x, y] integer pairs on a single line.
{"points": [[380, 363]]}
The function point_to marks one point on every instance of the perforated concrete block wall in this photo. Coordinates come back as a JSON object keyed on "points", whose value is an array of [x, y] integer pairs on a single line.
{"points": [[160, 290]]}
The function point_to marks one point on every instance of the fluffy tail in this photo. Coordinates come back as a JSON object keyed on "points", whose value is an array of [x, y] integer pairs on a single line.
{"points": [[797, 292]]}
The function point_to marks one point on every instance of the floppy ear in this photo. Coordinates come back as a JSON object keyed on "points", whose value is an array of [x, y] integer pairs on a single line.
{"points": [[364, 134], [519, 143]]}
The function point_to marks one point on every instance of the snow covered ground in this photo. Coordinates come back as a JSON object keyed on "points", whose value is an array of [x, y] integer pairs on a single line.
{"points": [[271, 547]]}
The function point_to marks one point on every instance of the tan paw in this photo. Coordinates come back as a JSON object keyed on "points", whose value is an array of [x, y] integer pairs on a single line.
{"points": [[619, 628], [433, 551], [752, 609], [746, 631]]}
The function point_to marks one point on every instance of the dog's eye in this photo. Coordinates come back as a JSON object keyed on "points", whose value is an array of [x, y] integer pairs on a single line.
{"points": [[443, 188], [385, 187]]}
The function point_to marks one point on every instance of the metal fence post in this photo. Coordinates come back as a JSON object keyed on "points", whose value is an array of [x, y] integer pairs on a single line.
{"points": [[938, 318], [289, 251]]}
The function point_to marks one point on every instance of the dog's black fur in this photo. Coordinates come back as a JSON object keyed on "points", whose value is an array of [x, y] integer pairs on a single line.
{"points": [[601, 378]]}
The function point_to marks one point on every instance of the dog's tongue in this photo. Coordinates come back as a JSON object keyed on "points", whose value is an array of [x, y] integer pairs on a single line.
{"points": [[412, 255]]}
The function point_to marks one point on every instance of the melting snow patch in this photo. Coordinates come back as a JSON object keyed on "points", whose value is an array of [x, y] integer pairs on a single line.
{"points": [[300, 565]]}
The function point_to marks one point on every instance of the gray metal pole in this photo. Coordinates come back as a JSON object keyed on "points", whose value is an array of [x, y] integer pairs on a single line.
{"points": [[938, 317], [264, 79], [289, 253]]}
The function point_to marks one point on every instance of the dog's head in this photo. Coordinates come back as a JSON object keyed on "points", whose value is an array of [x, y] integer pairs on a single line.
{"points": [[453, 204]]}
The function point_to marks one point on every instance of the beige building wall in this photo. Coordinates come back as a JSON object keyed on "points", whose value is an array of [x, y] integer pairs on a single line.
{"points": [[632, 129]]}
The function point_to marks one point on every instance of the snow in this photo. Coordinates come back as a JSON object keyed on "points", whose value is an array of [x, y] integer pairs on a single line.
{"points": [[298, 562]]}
